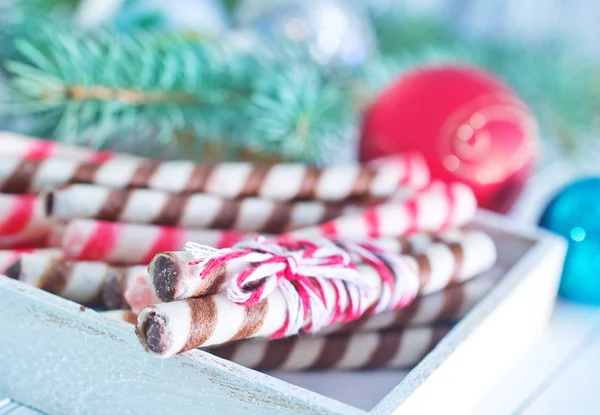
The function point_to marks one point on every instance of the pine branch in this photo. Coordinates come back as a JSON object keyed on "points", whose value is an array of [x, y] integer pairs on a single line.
{"points": [[102, 89]]}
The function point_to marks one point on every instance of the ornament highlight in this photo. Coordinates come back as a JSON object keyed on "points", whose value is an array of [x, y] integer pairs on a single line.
{"points": [[469, 126], [574, 213]]}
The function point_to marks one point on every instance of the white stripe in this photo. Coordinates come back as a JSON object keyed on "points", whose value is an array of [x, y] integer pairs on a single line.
{"points": [[393, 219], [116, 173], [33, 267], [429, 309], [133, 243], [250, 353], [336, 182], [228, 179], [387, 178], [432, 209], [75, 236], [253, 214], [479, 254], [86, 281], [415, 342], [53, 172], [442, 264], [203, 236], [143, 206], [230, 318], [283, 181], [360, 349], [8, 165], [201, 210], [78, 201], [306, 214], [172, 176], [305, 353]]}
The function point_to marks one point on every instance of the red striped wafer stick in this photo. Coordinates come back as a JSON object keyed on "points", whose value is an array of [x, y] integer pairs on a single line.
{"points": [[117, 282], [28, 148], [230, 180], [129, 244], [23, 242], [80, 281], [437, 208], [193, 211], [10, 256], [23, 216], [139, 293]]}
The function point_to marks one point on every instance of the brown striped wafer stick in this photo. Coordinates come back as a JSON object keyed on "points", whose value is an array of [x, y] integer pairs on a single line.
{"points": [[9, 257], [81, 282], [230, 180], [392, 349], [446, 306], [448, 258], [192, 211]]}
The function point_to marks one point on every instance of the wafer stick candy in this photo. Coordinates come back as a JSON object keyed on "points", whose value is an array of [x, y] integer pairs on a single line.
{"points": [[192, 211], [79, 281], [130, 244], [120, 315], [22, 216], [28, 148], [284, 292], [437, 208], [10, 256], [400, 348], [230, 180], [179, 275], [116, 284], [446, 306], [139, 293]]}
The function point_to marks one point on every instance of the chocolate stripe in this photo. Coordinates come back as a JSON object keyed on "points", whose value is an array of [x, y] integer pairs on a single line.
{"points": [[113, 289], [20, 178], [113, 206], [458, 253], [254, 316], [55, 277], [226, 351], [453, 300], [362, 184], [227, 215], [389, 343], [254, 181], [424, 267], [172, 211], [143, 175], [278, 219], [334, 349], [277, 353], [197, 181], [85, 173], [407, 314], [437, 334], [214, 281], [204, 315], [332, 211], [309, 183]]}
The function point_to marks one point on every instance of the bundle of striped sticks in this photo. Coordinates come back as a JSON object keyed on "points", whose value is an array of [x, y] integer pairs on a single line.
{"points": [[348, 266]]}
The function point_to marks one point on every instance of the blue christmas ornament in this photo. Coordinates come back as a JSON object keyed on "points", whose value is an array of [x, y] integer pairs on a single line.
{"points": [[574, 213]]}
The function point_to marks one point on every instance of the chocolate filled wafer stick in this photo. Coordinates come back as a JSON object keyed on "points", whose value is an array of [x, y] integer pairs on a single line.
{"points": [[392, 349], [437, 208], [9, 257], [79, 281], [192, 211], [230, 180], [131, 244], [23, 216], [441, 260]]}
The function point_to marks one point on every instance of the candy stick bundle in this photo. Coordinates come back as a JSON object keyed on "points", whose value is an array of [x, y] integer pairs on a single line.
{"points": [[342, 267]]}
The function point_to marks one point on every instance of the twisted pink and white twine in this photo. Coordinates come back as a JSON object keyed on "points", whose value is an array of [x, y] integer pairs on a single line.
{"points": [[306, 271]]}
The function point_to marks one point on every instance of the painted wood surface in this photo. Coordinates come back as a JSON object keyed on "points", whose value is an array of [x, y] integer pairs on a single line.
{"points": [[80, 362]]}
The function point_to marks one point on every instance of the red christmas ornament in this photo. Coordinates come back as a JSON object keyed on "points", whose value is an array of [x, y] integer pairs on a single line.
{"points": [[468, 125]]}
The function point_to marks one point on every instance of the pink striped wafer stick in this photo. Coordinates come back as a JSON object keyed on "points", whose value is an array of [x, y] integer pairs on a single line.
{"points": [[116, 284], [139, 293], [29, 148], [129, 244], [23, 216], [229, 180], [437, 208], [80, 281], [24, 242], [9, 257], [193, 211]]}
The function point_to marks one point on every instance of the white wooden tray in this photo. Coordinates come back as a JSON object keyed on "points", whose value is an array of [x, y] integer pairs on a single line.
{"points": [[61, 359]]}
